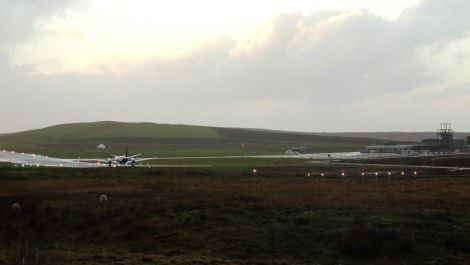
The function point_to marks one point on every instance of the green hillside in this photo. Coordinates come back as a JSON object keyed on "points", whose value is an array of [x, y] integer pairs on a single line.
{"points": [[113, 130], [81, 139]]}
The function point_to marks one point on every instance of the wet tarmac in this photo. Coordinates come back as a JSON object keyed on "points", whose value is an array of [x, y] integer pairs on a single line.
{"points": [[37, 160]]}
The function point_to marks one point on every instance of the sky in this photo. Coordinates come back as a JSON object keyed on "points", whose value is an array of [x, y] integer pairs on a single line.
{"points": [[297, 65]]}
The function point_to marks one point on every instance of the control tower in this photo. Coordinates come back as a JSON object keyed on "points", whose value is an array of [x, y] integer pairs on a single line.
{"points": [[445, 136]]}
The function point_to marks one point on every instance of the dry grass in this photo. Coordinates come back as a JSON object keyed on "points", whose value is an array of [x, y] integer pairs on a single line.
{"points": [[233, 219], [422, 193]]}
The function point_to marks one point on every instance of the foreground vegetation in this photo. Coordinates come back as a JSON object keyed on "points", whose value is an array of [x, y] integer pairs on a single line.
{"points": [[211, 216]]}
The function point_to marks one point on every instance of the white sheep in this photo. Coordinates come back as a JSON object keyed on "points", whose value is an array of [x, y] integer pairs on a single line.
{"points": [[103, 198], [16, 208]]}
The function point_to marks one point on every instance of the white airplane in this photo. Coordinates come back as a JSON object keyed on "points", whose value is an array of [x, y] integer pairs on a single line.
{"points": [[118, 160]]}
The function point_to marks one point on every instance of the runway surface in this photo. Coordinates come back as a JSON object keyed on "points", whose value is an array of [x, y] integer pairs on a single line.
{"points": [[36, 160]]}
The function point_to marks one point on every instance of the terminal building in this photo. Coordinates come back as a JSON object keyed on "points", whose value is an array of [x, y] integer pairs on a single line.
{"points": [[444, 143]]}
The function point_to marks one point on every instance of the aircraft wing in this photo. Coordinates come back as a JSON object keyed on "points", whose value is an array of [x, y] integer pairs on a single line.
{"points": [[146, 159], [91, 160]]}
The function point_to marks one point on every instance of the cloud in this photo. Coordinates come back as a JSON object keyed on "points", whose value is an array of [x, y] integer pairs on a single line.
{"points": [[436, 22], [20, 20], [324, 71], [355, 53]]}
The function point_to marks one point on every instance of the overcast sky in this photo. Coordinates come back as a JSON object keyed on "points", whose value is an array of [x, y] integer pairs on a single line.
{"points": [[301, 65]]}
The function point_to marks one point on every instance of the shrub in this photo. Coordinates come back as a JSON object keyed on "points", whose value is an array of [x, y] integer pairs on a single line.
{"points": [[457, 241], [369, 242]]}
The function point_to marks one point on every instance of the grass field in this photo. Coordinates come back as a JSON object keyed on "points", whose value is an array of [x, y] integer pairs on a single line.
{"points": [[226, 215], [80, 140]]}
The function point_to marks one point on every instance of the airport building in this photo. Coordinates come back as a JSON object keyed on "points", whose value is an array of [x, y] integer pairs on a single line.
{"points": [[297, 151], [391, 149], [443, 143]]}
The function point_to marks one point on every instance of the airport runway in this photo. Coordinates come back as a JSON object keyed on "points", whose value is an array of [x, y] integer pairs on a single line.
{"points": [[314, 156], [36, 160]]}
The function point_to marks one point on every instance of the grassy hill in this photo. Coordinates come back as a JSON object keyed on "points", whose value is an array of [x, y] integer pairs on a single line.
{"points": [[81, 139], [112, 131]]}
